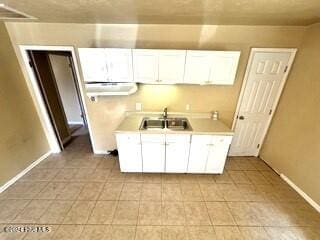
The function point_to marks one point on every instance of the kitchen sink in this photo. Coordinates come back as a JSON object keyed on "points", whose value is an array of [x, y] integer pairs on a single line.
{"points": [[152, 124], [176, 124]]}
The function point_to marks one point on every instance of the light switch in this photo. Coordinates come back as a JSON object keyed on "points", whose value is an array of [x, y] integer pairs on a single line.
{"points": [[138, 106], [188, 107]]}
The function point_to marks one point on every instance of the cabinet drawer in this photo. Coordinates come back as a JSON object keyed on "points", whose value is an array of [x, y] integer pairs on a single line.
{"points": [[221, 139], [201, 139], [130, 137], [177, 138], [156, 138]]}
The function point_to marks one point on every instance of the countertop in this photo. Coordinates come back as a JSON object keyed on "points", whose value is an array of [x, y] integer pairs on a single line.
{"points": [[200, 124]]}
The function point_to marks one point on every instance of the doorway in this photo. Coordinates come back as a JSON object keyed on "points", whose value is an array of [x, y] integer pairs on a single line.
{"points": [[55, 76], [55, 84], [264, 80]]}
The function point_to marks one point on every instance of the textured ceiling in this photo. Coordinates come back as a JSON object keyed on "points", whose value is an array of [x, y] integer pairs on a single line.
{"points": [[233, 12]]}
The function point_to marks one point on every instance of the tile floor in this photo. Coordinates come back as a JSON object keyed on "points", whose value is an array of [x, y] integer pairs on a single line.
{"points": [[82, 196]]}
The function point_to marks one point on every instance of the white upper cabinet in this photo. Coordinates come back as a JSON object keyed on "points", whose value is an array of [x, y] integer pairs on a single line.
{"points": [[198, 64], [224, 67], [158, 66], [106, 65], [119, 64], [145, 65], [171, 66], [211, 67], [93, 64]]}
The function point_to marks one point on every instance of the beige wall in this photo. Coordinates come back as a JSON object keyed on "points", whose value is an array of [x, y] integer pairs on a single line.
{"points": [[22, 139], [67, 89], [292, 146], [106, 114]]}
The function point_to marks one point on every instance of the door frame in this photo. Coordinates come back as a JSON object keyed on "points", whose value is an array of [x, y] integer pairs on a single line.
{"points": [[38, 99], [293, 52]]}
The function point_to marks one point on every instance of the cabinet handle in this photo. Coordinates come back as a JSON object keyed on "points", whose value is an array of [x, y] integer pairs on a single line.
{"points": [[210, 144]]}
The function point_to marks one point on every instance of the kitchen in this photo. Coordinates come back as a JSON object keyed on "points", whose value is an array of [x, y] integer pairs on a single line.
{"points": [[213, 138]]}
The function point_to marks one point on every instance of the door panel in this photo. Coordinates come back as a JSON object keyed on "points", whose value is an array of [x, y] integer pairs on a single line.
{"points": [[119, 65], [171, 66], [224, 67], [198, 64], [129, 146], [177, 157], [199, 150], [94, 64], [145, 65], [217, 158], [153, 156], [49, 90], [265, 78]]}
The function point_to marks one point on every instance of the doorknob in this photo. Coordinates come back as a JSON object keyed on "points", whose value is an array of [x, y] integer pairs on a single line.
{"points": [[241, 118]]}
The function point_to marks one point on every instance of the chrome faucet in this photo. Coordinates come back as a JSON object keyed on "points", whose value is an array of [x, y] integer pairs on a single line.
{"points": [[165, 113]]}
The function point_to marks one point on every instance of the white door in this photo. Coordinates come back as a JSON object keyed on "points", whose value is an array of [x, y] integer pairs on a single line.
{"points": [[218, 153], [119, 64], [199, 150], [265, 77], [94, 64], [129, 146], [145, 65], [171, 66], [198, 64], [224, 67], [177, 153], [153, 152]]}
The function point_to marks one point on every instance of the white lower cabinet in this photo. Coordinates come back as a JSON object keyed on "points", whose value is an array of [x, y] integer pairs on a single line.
{"points": [[153, 152], [129, 148], [200, 145], [218, 154], [208, 153], [177, 153], [172, 153]]}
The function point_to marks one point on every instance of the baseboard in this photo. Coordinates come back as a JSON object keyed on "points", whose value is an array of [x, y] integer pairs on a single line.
{"points": [[302, 193], [101, 152], [23, 172]]}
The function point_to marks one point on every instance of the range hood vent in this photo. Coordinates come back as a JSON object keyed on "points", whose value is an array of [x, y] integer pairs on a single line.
{"points": [[7, 13]]}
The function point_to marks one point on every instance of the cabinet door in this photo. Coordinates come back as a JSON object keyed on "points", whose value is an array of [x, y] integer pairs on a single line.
{"points": [[218, 154], [93, 64], [177, 153], [129, 148], [119, 64], [224, 67], [145, 65], [197, 69], [171, 66], [199, 150], [153, 152]]}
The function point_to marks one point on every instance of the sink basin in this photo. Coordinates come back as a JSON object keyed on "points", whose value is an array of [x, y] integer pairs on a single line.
{"points": [[176, 124], [152, 124]]}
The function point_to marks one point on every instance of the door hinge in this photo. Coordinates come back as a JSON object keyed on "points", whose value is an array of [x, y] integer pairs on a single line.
{"points": [[258, 145], [285, 69], [30, 63], [270, 111]]}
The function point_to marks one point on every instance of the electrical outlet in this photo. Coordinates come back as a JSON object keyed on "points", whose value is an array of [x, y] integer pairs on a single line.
{"points": [[188, 107], [138, 106]]}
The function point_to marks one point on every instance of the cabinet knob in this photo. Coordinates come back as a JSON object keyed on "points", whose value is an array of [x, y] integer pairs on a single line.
{"points": [[241, 118]]}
